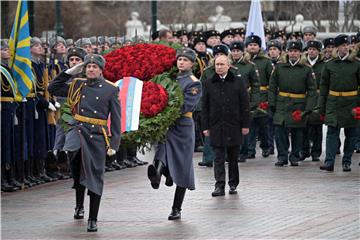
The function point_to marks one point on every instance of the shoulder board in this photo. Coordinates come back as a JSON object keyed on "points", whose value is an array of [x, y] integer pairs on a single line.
{"points": [[111, 83], [232, 66], [195, 79]]}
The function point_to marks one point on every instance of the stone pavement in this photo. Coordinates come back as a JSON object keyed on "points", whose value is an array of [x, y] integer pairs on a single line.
{"points": [[273, 203]]}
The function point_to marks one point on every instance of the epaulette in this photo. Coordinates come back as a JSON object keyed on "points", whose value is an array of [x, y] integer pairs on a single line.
{"points": [[79, 79], [111, 83], [195, 79], [234, 67]]}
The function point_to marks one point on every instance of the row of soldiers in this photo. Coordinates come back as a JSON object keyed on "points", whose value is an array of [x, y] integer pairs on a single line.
{"points": [[32, 130], [292, 93], [32, 155]]}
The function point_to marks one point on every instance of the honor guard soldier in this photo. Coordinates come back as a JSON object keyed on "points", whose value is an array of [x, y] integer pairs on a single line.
{"points": [[309, 33], [274, 48], [329, 45], [84, 43], [212, 39], [313, 133], [292, 95], [249, 73], [174, 157], [227, 37], [339, 97], [260, 118], [92, 101], [182, 35], [8, 110]]}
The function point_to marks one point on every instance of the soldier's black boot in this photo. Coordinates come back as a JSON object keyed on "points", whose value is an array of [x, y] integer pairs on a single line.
{"points": [[5, 186], [79, 209], [132, 152], [93, 212], [120, 158], [154, 172], [178, 200]]}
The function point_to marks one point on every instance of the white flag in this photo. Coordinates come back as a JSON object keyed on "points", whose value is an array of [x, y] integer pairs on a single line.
{"points": [[255, 24]]}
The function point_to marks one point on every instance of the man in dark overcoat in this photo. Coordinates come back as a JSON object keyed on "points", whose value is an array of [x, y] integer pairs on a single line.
{"points": [[91, 100], [225, 106]]}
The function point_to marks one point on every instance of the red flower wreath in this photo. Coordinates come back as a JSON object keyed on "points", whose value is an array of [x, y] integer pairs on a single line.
{"points": [[143, 61], [154, 99], [297, 115]]}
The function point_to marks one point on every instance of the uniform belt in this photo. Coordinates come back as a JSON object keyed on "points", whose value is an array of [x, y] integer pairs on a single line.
{"points": [[343, 94], [188, 114], [7, 99], [95, 121], [292, 95], [31, 95], [264, 88]]}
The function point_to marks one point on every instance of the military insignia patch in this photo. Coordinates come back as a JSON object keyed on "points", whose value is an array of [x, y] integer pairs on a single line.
{"points": [[194, 91]]}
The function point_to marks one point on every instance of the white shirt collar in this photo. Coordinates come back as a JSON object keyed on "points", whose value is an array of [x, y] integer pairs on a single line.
{"points": [[312, 62]]}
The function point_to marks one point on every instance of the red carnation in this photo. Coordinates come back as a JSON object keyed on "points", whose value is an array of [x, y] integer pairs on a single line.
{"points": [[143, 61], [264, 105], [356, 113], [154, 99], [296, 116], [322, 117]]}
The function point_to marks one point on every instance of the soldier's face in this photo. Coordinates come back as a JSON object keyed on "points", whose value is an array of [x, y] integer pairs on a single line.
{"points": [[212, 41], [236, 54], [294, 54], [308, 36], [274, 52], [88, 48], [60, 48], [93, 71], [184, 64], [222, 65], [200, 47], [253, 48], [313, 52], [238, 38], [74, 60], [228, 39], [37, 49], [343, 49], [5, 53], [329, 49]]}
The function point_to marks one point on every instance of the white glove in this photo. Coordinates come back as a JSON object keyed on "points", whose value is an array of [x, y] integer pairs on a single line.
{"points": [[110, 152], [57, 105], [52, 107], [75, 69]]}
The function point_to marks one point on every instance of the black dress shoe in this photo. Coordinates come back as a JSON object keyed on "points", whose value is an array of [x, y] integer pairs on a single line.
{"points": [[5, 187], [232, 190], [218, 192], [129, 164], [205, 164], [122, 165], [175, 214], [266, 153], [153, 176], [281, 163], [138, 161], [327, 168], [346, 167], [15, 183], [250, 156], [169, 182], [303, 156], [293, 163], [92, 225], [79, 213]]}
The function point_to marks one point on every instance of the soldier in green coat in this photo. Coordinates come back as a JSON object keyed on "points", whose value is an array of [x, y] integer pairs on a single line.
{"points": [[313, 133], [292, 94], [259, 122], [248, 71], [339, 95]]}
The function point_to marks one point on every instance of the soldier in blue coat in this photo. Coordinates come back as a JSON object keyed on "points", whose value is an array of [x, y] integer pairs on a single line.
{"points": [[174, 158], [92, 100]]}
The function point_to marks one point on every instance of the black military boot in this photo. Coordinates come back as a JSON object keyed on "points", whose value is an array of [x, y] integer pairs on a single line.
{"points": [[178, 200], [154, 172], [124, 157], [79, 209], [5, 186], [93, 212], [131, 155], [120, 159]]}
